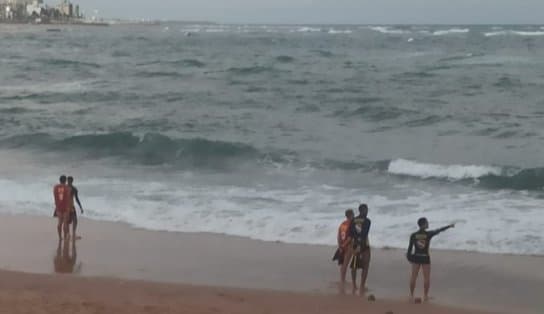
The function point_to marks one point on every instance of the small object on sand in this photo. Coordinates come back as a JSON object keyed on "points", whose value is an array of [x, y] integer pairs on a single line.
{"points": [[389, 312], [417, 301], [371, 298]]}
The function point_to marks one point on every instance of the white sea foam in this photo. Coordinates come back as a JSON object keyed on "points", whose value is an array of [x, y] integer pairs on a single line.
{"points": [[335, 31], [451, 31], [452, 172], [514, 33], [307, 29], [388, 30], [488, 221]]}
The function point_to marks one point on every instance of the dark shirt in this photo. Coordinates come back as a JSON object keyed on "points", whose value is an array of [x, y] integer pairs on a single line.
{"points": [[420, 242], [359, 229]]}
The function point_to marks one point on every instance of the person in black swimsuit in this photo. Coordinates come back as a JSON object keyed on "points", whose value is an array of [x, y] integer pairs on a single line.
{"points": [[359, 229], [418, 254]]}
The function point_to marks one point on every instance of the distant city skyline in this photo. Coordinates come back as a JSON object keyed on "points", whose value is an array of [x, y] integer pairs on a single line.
{"points": [[325, 11]]}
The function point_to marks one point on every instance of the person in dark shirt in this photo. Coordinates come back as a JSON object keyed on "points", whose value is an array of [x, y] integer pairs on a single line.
{"points": [[73, 212], [359, 229], [418, 254]]}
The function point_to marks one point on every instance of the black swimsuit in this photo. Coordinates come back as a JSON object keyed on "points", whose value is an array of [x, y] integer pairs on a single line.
{"points": [[420, 242]]}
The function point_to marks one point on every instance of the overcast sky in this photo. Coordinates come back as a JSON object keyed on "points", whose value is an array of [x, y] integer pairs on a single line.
{"points": [[326, 11]]}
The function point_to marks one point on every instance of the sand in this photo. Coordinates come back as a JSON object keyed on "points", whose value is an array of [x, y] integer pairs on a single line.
{"points": [[159, 272]]}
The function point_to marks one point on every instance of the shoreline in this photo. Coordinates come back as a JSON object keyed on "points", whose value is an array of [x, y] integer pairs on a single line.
{"points": [[475, 281]]}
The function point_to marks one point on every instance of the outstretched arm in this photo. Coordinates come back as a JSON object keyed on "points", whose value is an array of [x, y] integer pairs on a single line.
{"points": [[437, 231]]}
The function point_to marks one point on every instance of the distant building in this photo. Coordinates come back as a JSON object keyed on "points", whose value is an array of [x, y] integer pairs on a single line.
{"points": [[35, 11], [35, 8], [66, 8]]}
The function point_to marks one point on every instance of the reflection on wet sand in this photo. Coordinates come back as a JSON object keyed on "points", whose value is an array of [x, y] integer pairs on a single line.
{"points": [[65, 259]]}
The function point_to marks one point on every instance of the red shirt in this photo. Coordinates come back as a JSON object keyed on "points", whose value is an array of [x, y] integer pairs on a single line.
{"points": [[343, 234], [62, 195]]}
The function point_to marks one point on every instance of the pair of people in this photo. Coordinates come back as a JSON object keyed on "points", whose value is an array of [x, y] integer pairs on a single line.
{"points": [[64, 194], [354, 247], [354, 250]]}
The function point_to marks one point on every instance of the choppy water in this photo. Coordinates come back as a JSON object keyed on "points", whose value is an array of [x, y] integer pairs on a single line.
{"points": [[272, 132]]}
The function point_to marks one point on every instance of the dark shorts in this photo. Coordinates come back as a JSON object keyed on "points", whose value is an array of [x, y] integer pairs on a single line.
{"points": [[360, 260], [421, 260]]}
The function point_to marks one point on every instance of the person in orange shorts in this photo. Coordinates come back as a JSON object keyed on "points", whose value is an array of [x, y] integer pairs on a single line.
{"points": [[62, 194]]}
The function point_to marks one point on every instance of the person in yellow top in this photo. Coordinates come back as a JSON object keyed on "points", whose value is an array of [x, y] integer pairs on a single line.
{"points": [[344, 251]]}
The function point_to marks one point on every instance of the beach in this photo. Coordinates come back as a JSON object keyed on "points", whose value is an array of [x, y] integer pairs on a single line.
{"points": [[125, 270]]}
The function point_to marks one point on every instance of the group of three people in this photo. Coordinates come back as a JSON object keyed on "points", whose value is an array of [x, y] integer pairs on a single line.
{"points": [[64, 194], [354, 250]]}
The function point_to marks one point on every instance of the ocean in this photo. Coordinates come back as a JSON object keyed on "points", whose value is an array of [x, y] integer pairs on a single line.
{"points": [[273, 131]]}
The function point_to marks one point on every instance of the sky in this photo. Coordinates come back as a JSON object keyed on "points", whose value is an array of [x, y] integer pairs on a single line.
{"points": [[325, 11]]}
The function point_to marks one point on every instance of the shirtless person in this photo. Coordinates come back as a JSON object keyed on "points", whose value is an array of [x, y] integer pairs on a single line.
{"points": [[418, 255], [344, 245], [62, 196], [73, 212], [359, 229]]}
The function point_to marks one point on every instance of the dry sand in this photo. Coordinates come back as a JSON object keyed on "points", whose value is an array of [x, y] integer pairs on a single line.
{"points": [[279, 278]]}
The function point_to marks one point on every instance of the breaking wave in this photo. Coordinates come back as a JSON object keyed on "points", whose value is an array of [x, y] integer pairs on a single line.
{"points": [[491, 177], [514, 33]]}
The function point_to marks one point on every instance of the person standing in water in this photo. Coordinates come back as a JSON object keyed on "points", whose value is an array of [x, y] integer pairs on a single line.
{"points": [[359, 229], [62, 196], [418, 255], [73, 212]]}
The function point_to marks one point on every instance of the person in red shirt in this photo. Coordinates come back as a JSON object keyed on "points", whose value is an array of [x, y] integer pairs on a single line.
{"points": [[344, 245], [62, 195]]}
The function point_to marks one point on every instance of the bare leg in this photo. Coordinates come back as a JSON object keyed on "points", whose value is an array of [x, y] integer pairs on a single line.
{"points": [[413, 279], [59, 226], [65, 218], [354, 279], [366, 264], [427, 280], [74, 226], [344, 266]]}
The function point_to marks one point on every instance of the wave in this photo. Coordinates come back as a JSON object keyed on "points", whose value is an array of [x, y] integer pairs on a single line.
{"points": [[250, 70], [451, 31], [285, 59], [526, 179], [336, 31], [373, 113], [184, 62], [388, 30], [148, 149], [451, 172], [491, 177], [514, 33], [69, 63], [307, 30], [153, 74]]}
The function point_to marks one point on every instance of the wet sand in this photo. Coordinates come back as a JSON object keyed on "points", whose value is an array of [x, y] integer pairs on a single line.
{"points": [[278, 278]]}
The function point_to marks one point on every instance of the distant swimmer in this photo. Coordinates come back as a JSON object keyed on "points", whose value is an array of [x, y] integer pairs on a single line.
{"points": [[73, 212], [62, 196], [418, 255], [344, 252], [359, 229]]}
